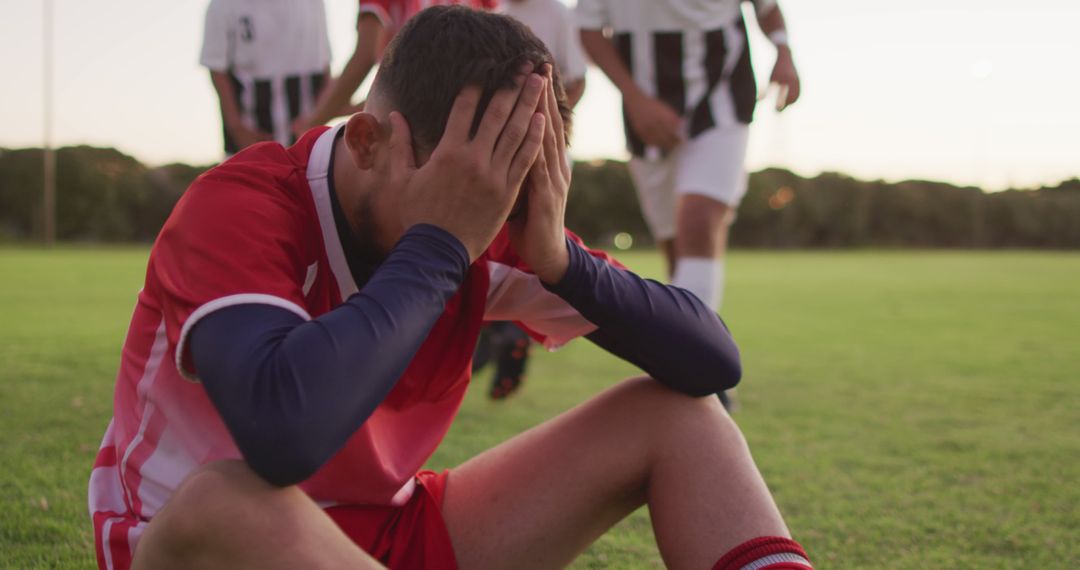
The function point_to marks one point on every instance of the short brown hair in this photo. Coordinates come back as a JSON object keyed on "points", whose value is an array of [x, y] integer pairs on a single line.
{"points": [[443, 49]]}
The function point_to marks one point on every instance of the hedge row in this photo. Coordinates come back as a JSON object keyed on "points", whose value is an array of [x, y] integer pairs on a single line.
{"points": [[106, 196]]}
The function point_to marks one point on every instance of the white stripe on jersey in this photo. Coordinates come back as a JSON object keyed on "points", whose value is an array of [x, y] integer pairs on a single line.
{"points": [[162, 472], [318, 169], [106, 547], [221, 303], [106, 493], [157, 354]]}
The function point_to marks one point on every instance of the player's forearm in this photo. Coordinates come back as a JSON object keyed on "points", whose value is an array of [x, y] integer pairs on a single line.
{"points": [[230, 110], [603, 54], [773, 26], [339, 92], [664, 330], [574, 90], [293, 392]]}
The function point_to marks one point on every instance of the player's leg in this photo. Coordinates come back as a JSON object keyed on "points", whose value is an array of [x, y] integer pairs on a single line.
{"points": [[539, 499], [700, 244], [667, 247], [511, 358], [710, 180], [225, 516], [654, 182]]}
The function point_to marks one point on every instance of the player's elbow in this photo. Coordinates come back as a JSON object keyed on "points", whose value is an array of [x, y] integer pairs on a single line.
{"points": [[284, 456], [726, 362], [590, 40], [729, 373], [720, 370]]}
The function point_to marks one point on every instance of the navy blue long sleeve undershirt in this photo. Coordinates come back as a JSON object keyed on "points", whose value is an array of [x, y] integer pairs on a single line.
{"points": [[292, 392], [666, 331]]}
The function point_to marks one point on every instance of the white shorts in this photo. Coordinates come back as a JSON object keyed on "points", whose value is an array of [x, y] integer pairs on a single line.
{"points": [[711, 164]]}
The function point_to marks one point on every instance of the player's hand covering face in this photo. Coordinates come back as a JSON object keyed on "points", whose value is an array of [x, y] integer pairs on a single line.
{"points": [[538, 234], [469, 185]]}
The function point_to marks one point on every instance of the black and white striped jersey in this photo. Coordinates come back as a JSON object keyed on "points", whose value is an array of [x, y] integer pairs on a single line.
{"points": [[276, 52], [691, 54]]}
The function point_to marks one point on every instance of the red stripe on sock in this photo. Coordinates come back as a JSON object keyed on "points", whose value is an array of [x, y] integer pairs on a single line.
{"points": [[760, 547]]}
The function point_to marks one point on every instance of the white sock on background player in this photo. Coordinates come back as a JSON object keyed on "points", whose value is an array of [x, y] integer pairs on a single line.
{"points": [[702, 276]]}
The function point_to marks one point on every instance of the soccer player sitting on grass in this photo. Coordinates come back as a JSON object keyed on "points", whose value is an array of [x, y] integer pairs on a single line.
{"points": [[302, 344]]}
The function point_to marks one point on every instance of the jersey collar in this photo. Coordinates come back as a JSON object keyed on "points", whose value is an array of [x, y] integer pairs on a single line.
{"points": [[318, 171]]}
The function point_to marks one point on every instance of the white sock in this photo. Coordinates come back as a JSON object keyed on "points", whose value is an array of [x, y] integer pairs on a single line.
{"points": [[702, 276]]}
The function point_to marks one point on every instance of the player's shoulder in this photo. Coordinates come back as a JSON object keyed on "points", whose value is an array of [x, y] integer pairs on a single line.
{"points": [[264, 183], [261, 167]]}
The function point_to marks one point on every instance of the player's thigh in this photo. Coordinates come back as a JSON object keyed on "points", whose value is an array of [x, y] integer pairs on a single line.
{"points": [[224, 516], [710, 181], [713, 165], [539, 499], [654, 182], [703, 224]]}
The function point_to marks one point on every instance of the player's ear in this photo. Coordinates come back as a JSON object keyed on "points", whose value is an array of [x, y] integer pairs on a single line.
{"points": [[362, 135]]}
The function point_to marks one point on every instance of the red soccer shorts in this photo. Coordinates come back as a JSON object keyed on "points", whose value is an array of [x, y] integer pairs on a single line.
{"points": [[410, 537]]}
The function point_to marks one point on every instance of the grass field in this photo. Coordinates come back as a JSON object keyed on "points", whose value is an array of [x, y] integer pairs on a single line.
{"points": [[910, 410]]}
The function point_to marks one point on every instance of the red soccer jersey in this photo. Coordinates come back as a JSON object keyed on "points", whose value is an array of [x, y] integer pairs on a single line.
{"points": [[260, 229]]}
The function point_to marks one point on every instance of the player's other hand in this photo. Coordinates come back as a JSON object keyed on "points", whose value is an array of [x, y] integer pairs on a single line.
{"points": [[245, 136], [537, 231], [786, 78], [468, 185], [654, 121]]}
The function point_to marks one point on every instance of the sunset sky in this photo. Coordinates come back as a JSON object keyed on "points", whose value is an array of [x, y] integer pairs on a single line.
{"points": [[979, 92]]}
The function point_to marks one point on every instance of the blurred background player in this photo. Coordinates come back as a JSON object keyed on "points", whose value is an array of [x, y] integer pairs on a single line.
{"points": [[268, 61], [684, 70], [554, 24], [376, 25]]}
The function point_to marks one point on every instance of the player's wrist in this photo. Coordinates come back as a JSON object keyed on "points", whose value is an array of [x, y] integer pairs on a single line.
{"points": [[438, 241], [635, 96], [554, 271]]}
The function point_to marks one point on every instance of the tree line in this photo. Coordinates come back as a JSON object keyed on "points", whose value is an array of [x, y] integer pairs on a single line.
{"points": [[104, 195]]}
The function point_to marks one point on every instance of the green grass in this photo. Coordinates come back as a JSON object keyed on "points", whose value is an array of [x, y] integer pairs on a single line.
{"points": [[910, 410]]}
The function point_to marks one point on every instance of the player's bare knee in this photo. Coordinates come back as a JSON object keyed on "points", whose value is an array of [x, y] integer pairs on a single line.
{"points": [[673, 423], [196, 515], [652, 401], [701, 220], [202, 502]]}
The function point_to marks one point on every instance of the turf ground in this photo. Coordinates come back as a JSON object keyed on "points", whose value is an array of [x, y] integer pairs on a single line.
{"points": [[910, 410]]}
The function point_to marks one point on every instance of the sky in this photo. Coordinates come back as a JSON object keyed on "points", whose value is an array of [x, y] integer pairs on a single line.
{"points": [[973, 92]]}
